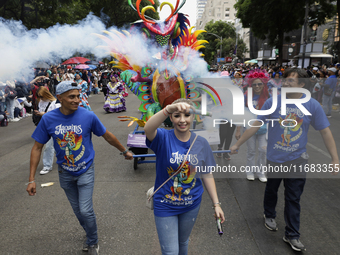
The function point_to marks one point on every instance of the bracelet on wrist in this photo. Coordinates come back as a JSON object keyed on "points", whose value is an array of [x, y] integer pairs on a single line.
{"points": [[29, 182], [124, 152], [164, 112], [166, 109], [218, 204]]}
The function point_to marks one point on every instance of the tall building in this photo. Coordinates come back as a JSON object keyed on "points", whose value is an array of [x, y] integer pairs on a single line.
{"points": [[200, 8], [215, 10], [223, 10]]}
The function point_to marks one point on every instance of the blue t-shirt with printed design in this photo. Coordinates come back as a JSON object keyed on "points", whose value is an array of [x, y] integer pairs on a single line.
{"points": [[255, 100], [71, 136], [288, 143], [184, 191]]}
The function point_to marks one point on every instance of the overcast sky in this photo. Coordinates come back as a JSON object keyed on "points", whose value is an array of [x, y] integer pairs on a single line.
{"points": [[189, 8]]}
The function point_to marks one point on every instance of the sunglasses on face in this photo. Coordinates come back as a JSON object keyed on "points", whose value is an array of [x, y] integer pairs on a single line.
{"points": [[256, 84]]}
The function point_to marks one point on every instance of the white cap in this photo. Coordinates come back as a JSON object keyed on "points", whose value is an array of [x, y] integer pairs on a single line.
{"points": [[332, 69], [315, 68]]}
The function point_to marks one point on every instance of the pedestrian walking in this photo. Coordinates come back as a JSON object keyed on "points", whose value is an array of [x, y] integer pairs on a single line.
{"points": [[329, 91], [71, 128], [46, 103], [177, 202], [257, 80], [287, 148]]}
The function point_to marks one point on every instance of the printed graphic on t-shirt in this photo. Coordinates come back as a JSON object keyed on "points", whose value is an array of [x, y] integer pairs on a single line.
{"points": [[185, 176], [292, 130], [71, 143]]}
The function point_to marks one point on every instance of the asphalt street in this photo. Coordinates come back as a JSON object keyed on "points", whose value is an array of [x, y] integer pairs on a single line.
{"points": [[45, 223]]}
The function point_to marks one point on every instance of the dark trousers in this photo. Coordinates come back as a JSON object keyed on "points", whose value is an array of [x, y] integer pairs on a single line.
{"points": [[292, 194], [226, 135], [16, 112]]}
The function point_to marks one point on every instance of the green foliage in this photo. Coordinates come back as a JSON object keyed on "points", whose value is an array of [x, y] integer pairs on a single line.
{"points": [[270, 19], [46, 13], [228, 33], [119, 11]]}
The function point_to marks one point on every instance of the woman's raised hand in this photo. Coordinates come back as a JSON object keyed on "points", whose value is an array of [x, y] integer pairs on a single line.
{"points": [[180, 107]]}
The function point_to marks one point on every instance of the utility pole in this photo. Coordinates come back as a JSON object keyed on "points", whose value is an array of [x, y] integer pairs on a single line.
{"points": [[220, 37], [305, 34]]}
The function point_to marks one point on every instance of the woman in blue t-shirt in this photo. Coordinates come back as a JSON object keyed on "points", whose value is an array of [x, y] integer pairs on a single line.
{"points": [[258, 81], [177, 203]]}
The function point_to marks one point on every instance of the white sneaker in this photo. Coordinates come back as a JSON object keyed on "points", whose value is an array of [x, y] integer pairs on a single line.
{"points": [[250, 177], [263, 178], [19, 118], [28, 114], [14, 120], [45, 170]]}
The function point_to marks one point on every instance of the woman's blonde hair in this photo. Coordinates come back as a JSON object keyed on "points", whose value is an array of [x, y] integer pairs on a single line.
{"points": [[183, 100], [45, 94]]}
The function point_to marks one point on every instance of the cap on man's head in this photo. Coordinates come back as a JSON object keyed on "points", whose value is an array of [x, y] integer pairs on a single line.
{"points": [[65, 86], [315, 68], [332, 69]]}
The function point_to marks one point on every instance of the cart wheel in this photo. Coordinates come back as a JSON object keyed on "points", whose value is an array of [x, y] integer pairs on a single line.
{"points": [[135, 163]]}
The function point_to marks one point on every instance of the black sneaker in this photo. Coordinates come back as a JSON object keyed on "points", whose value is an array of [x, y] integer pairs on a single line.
{"points": [[226, 156], [294, 243], [85, 246], [93, 249], [219, 155]]}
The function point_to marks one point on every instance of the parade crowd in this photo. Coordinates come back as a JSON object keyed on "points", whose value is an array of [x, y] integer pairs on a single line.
{"points": [[62, 94], [19, 97]]}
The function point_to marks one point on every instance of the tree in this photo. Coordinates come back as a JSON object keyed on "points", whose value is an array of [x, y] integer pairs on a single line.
{"points": [[271, 19], [118, 12], [228, 33], [44, 13]]}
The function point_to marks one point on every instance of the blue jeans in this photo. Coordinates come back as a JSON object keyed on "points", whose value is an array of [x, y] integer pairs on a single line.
{"points": [[255, 165], [48, 154], [174, 231], [10, 107], [293, 191], [79, 190], [2, 106], [327, 103]]}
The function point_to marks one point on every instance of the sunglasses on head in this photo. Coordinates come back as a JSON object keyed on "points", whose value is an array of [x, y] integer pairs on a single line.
{"points": [[257, 84]]}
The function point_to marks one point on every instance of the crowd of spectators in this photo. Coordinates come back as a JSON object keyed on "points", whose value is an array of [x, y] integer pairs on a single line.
{"points": [[18, 97]]}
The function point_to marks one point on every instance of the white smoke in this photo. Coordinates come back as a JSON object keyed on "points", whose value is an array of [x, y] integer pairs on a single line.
{"points": [[21, 48]]}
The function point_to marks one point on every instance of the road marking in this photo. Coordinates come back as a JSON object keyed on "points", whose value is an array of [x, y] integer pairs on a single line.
{"points": [[319, 150]]}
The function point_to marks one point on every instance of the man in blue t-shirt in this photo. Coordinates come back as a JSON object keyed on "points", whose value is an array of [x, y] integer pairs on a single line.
{"points": [[329, 91], [287, 140], [71, 129]]}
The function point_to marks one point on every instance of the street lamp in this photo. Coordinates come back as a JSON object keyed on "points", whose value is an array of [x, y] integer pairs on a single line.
{"points": [[220, 37]]}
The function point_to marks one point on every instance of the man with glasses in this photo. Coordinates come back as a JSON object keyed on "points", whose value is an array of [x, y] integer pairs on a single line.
{"points": [[287, 149], [71, 128]]}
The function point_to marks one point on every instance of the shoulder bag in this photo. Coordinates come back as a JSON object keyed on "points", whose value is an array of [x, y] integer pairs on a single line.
{"points": [[36, 118], [151, 192]]}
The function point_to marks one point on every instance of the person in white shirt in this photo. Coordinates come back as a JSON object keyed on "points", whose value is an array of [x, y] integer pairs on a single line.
{"points": [[46, 103]]}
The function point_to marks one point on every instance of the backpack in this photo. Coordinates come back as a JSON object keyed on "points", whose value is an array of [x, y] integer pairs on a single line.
{"points": [[4, 122]]}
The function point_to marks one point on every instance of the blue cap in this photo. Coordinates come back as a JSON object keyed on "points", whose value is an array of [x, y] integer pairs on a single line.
{"points": [[65, 86]]}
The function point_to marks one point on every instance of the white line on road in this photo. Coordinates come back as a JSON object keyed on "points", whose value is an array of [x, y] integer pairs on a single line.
{"points": [[319, 150]]}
